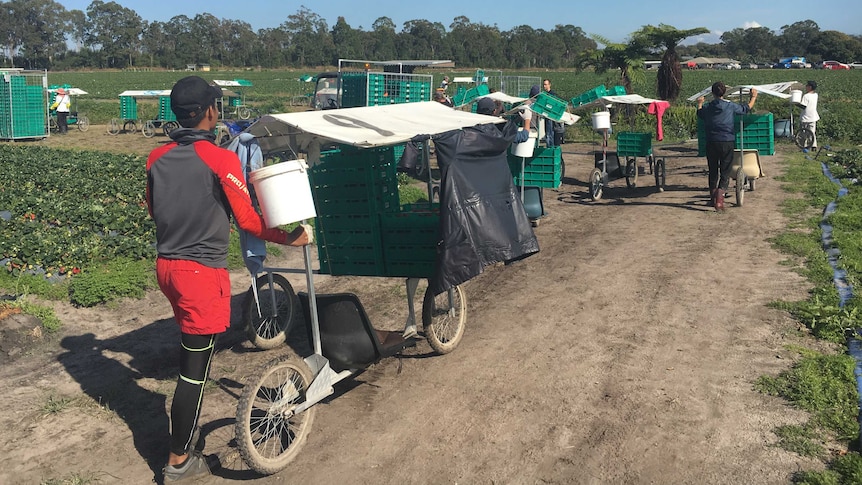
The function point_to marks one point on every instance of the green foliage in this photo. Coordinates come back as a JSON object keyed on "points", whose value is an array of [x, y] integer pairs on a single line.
{"points": [[803, 440], [844, 470], [823, 385], [120, 277], [410, 194], [45, 314]]}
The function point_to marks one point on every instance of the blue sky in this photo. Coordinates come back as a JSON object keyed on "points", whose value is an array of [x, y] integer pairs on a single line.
{"points": [[614, 19]]}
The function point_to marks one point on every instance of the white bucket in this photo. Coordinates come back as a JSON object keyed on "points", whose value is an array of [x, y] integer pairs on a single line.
{"points": [[525, 148], [283, 192], [602, 120], [795, 96]]}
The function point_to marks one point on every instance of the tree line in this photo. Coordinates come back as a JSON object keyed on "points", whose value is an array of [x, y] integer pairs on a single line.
{"points": [[42, 34]]}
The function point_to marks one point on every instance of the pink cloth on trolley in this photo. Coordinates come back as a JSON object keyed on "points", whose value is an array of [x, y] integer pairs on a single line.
{"points": [[658, 108]]}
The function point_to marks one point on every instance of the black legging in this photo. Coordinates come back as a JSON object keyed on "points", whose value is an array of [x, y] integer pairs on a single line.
{"points": [[195, 358], [719, 158]]}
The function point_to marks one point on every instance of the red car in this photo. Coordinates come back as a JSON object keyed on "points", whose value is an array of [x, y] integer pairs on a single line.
{"points": [[835, 65]]}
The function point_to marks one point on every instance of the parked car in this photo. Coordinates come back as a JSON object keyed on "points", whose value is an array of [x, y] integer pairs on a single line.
{"points": [[835, 65], [729, 66], [856, 65], [752, 66]]}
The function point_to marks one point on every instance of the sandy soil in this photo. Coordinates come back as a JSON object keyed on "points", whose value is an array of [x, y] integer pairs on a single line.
{"points": [[624, 352]]}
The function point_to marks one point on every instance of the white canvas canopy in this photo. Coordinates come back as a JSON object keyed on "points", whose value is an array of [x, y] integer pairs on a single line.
{"points": [[621, 99], [153, 93], [503, 97], [71, 91], [776, 89], [364, 127]]}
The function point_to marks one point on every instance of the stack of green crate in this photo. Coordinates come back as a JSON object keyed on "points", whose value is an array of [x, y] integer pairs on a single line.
{"points": [[634, 144], [410, 240], [22, 106], [351, 187], [165, 111], [128, 108], [544, 169], [354, 85], [757, 133]]}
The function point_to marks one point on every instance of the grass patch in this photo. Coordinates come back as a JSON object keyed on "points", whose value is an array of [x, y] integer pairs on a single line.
{"points": [[844, 470], [803, 440], [112, 280], [50, 322], [73, 479]]}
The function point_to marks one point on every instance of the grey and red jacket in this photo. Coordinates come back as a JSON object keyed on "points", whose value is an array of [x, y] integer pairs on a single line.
{"points": [[193, 188]]}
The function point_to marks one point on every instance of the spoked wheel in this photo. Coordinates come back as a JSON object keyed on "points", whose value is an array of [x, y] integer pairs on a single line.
{"points": [[562, 170], [751, 184], [651, 162], [52, 124], [660, 174], [149, 129], [130, 126], [596, 184], [268, 432], [631, 173], [170, 126], [243, 113], [444, 317], [114, 127], [804, 138], [83, 123], [740, 187], [279, 309]]}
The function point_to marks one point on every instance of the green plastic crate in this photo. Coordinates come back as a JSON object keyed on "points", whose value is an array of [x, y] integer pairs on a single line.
{"points": [[758, 134], [590, 96], [410, 240], [549, 106], [634, 144]]}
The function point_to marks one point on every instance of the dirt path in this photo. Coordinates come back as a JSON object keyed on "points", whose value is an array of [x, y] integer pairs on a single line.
{"points": [[624, 352]]}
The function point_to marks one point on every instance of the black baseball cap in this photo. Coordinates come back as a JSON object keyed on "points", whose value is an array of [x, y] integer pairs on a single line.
{"points": [[191, 96], [813, 84], [485, 106]]}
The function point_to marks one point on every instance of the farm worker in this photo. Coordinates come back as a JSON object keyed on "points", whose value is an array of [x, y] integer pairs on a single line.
{"points": [[531, 119], [717, 118], [809, 116], [487, 106], [193, 188], [62, 103], [554, 130]]}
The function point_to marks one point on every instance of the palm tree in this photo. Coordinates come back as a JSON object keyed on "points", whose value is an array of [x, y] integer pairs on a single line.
{"points": [[669, 72], [628, 58]]}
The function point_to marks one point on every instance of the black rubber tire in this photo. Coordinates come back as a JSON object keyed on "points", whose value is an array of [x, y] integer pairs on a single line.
{"points": [[266, 331], [631, 173], [243, 113], [804, 138], [52, 124], [596, 184], [660, 172], [562, 170], [751, 184], [444, 330], [269, 439], [740, 187], [169, 126], [130, 126], [651, 163]]}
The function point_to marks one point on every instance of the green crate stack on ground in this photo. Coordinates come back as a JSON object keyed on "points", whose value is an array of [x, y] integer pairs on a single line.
{"points": [[544, 169], [634, 144], [351, 187], [165, 111], [410, 240], [23, 105], [757, 133], [128, 108]]}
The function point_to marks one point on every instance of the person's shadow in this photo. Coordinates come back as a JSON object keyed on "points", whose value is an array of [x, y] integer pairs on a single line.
{"points": [[154, 353]]}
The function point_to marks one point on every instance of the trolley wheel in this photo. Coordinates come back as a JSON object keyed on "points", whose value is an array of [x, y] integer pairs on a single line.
{"points": [[631, 173], [113, 127], [170, 126], [444, 319], [596, 183], [651, 163], [740, 187], [562, 170], [52, 124], [149, 129], [751, 184], [83, 123], [804, 138], [268, 328], [130, 126], [243, 113], [268, 432], [660, 174]]}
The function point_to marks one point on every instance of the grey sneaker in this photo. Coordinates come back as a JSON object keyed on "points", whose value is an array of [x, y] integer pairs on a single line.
{"points": [[196, 464]]}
